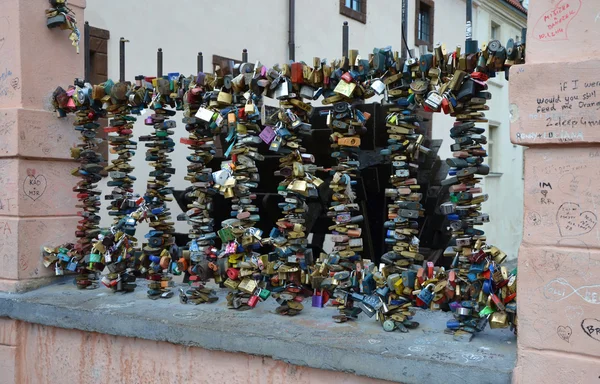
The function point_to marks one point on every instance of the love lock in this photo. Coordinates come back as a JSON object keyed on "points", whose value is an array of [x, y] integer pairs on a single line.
{"points": [[426, 294]]}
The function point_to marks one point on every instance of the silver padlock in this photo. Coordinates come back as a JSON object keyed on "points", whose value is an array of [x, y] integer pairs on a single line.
{"points": [[282, 90], [434, 100], [307, 92], [447, 208], [378, 86]]}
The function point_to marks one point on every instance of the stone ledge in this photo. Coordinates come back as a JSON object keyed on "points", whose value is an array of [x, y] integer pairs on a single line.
{"points": [[310, 339]]}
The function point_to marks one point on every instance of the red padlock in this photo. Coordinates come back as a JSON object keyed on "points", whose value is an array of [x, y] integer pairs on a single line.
{"points": [[498, 302], [430, 270], [452, 278], [347, 77], [445, 106], [252, 301], [510, 298], [421, 275], [233, 273], [297, 75]]}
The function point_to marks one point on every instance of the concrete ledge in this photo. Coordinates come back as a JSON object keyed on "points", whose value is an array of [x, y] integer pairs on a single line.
{"points": [[312, 339]]}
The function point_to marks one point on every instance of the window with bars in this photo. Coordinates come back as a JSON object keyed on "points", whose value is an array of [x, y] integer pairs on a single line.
{"points": [[424, 17], [354, 9]]}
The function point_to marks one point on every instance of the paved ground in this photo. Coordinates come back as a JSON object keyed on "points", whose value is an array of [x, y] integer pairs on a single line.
{"points": [[425, 355]]}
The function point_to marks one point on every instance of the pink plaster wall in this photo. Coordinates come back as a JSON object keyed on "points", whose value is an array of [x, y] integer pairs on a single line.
{"points": [[555, 104], [53, 355], [562, 30], [37, 205]]}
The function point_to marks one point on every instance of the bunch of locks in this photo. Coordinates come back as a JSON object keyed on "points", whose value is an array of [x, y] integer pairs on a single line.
{"points": [[289, 267], [477, 288], [95, 249], [77, 99], [480, 288], [61, 16], [157, 260], [116, 246], [228, 106], [120, 105], [200, 259], [403, 85]]}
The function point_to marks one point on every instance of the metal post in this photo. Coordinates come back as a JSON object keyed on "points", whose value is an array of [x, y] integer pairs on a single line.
{"points": [[200, 62], [122, 42], [159, 63], [244, 55], [345, 39], [404, 28], [292, 30], [87, 54], [471, 46]]}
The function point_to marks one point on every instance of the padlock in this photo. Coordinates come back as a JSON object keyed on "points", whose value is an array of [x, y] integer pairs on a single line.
{"points": [[434, 101], [252, 301], [72, 265], [317, 299], [426, 294]]}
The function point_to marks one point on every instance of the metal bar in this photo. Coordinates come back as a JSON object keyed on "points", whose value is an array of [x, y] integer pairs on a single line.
{"points": [[292, 30], [122, 42], [200, 62], [469, 29], [244, 55], [404, 28], [159, 63], [345, 39], [471, 46], [87, 59]]}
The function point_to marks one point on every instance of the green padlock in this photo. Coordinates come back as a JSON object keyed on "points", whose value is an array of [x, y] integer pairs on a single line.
{"points": [[264, 294], [486, 311], [226, 234], [95, 257]]}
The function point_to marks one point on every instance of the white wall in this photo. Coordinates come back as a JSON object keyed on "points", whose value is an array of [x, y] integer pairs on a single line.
{"points": [[226, 27]]}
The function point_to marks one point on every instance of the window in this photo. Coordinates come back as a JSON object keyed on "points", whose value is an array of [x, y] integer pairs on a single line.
{"points": [[222, 65], [495, 33], [424, 23], [492, 142], [354, 9], [353, 4]]}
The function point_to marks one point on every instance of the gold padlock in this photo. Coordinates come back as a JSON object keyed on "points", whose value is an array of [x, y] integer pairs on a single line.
{"points": [[224, 98], [498, 320], [248, 286]]}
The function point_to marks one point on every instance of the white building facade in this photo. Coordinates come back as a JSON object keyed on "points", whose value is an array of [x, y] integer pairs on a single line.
{"points": [[182, 28]]}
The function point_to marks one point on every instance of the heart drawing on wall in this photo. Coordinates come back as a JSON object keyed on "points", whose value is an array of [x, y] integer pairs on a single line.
{"points": [[34, 185], [572, 221], [564, 332], [553, 25], [591, 327]]}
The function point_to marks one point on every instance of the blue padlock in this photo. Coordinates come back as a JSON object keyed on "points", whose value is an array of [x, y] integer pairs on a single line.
{"points": [[368, 284], [426, 294], [408, 278]]}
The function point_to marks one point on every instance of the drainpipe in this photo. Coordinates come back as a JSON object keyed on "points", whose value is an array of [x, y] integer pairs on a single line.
{"points": [[292, 30], [404, 28]]}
